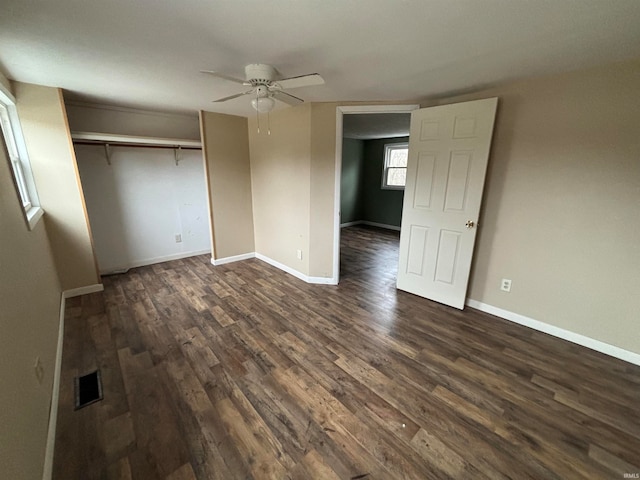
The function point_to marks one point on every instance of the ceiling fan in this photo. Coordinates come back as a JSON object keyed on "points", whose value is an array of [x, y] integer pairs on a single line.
{"points": [[266, 86]]}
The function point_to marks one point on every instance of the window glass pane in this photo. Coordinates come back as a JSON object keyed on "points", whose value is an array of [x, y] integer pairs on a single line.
{"points": [[396, 177], [22, 186], [398, 157], [16, 162]]}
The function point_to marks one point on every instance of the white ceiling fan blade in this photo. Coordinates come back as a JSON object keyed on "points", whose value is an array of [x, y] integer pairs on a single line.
{"points": [[301, 81], [287, 98], [224, 99], [226, 77]]}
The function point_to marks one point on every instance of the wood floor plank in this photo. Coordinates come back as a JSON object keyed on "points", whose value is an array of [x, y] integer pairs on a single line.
{"points": [[242, 371]]}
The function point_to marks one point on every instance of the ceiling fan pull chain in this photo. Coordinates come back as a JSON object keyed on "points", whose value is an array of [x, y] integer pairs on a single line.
{"points": [[268, 124], [257, 112]]}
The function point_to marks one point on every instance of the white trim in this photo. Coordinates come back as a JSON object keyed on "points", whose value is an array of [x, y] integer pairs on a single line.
{"points": [[340, 112], [24, 177], [76, 292], [6, 96], [351, 224], [282, 266], [381, 225], [129, 139], [33, 215], [387, 148], [558, 332], [408, 108], [296, 273], [371, 224], [321, 280], [47, 472], [154, 260], [234, 258]]}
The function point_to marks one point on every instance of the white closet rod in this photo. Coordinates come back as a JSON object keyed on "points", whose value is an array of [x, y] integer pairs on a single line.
{"points": [[114, 139]]}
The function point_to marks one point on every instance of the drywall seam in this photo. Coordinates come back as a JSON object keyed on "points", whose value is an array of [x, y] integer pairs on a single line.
{"points": [[558, 332]]}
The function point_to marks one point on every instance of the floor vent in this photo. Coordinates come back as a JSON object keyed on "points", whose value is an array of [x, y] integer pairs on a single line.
{"points": [[88, 389]]}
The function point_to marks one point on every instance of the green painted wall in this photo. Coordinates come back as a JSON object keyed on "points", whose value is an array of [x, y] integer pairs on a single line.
{"points": [[351, 207], [379, 206]]}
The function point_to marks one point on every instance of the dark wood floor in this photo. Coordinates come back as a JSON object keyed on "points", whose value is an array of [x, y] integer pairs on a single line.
{"points": [[242, 371]]}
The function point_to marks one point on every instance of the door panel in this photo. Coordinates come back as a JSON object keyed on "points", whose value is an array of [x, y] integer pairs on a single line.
{"points": [[448, 155]]}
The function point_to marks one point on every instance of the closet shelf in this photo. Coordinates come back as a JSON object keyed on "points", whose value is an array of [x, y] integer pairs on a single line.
{"points": [[93, 138]]}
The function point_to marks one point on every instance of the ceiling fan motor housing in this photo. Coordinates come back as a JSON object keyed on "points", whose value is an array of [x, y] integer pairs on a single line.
{"points": [[260, 74]]}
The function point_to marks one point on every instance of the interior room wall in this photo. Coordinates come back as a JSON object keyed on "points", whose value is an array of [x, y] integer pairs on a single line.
{"points": [[46, 134], [85, 117], [141, 201], [322, 190], [379, 205], [560, 210], [228, 175], [280, 179], [29, 319], [351, 180]]}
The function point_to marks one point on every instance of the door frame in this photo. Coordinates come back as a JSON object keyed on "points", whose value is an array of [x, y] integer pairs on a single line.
{"points": [[340, 112]]}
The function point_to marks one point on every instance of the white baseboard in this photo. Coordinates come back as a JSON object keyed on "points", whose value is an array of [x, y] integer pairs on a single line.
{"points": [[294, 272], [76, 292], [381, 225], [234, 258], [351, 224], [322, 280], [371, 224], [47, 472], [573, 337], [152, 261], [274, 263]]}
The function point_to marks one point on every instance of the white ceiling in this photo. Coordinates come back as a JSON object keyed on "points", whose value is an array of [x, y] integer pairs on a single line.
{"points": [[148, 53]]}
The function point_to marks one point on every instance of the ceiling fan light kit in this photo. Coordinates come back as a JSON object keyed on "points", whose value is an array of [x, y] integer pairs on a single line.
{"points": [[267, 86], [263, 104]]}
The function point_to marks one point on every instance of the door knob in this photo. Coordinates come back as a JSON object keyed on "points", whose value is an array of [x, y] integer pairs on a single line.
{"points": [[470, 224]]}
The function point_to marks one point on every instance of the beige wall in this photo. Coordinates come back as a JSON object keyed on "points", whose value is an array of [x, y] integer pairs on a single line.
{"points": [[280, 176], [560, 211], [46, 133], [5, 82], [560, 215], [29, 319], [323, 158], [128, 121], [226, 151]]}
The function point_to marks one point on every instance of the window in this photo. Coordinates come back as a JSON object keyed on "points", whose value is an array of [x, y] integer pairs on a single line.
{"points": [[18, 156], [394, 175]]}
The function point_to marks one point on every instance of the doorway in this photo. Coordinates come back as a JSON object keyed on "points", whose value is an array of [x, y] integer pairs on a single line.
{"points": [[368, 121]]}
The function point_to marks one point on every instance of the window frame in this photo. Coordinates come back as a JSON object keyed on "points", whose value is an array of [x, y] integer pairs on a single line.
{"points": [[18, 158], [388, 148]]}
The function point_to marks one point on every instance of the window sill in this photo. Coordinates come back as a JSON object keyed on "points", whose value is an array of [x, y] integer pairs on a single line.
{"points": [[34, 214]]}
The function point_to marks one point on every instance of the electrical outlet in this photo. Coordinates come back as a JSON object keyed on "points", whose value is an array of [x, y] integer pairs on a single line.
{"points": [[505, 285], [39, 370], [299, 254], [178, 238]]}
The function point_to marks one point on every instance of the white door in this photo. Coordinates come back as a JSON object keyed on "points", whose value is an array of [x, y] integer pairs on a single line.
{"points": [[448, 155]]}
